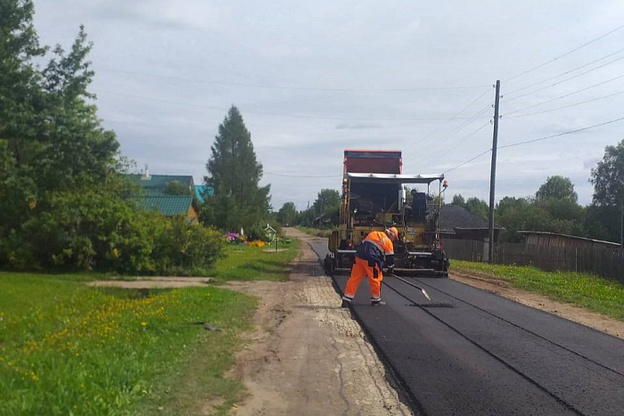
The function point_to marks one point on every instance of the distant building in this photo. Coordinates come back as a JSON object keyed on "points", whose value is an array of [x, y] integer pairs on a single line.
{"points": [[460, 224], [155, 197]]}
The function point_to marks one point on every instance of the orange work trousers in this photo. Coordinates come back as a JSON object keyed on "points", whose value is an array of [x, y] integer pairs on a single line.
{"points": [[358, 271]]}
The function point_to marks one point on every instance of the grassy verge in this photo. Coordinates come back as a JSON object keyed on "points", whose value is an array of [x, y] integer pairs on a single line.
{"points": [[588, 291], [245, 262], [69, 349]]}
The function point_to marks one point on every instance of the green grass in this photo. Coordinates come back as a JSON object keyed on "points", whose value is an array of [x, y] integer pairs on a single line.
{"points": [[67, 349], [588, 291], [244, 262]]}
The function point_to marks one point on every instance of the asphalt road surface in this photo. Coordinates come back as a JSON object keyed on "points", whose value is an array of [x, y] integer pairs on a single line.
{"points": [[469, 352]]}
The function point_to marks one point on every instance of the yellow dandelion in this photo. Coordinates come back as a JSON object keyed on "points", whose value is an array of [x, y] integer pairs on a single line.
{"points": [[143, 323]]}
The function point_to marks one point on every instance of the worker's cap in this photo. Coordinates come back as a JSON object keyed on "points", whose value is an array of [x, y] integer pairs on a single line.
{"points": [[393, 231]]}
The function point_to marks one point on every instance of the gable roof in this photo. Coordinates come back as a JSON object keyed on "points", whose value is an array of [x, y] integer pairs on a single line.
{"points": [[168, 205], [454, 216]]}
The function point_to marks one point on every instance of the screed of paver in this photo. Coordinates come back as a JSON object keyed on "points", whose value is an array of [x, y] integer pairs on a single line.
{"points": [[307, 355]]}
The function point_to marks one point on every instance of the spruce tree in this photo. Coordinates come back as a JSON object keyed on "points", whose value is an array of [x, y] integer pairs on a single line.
{"points": [[234, 173]]}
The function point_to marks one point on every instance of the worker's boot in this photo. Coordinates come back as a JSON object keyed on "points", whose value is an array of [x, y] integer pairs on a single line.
{"points": [[345, 302], [377, 302]]}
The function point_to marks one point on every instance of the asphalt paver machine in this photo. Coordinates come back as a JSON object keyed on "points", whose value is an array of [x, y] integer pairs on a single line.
{"points": [[376, 195]]}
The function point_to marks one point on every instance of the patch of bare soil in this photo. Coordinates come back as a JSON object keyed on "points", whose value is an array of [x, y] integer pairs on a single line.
{"points": [[153, 282], [573, 313], [306, 355]]}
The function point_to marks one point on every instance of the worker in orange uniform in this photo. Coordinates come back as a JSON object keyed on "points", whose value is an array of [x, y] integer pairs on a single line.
{"points": [[376, 249]]}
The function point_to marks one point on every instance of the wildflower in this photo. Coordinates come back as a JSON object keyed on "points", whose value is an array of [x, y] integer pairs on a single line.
{"points": [[143, 323]]}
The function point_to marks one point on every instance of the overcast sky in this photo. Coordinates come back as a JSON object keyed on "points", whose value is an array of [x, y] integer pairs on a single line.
{"points": [[314, 78]]}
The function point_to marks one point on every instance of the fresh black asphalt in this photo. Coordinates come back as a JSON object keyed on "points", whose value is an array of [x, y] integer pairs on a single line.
{"points": [[487, 355]]}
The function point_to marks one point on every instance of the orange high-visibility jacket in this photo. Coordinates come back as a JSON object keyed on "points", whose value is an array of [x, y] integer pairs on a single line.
{"points": [[375, 247]]}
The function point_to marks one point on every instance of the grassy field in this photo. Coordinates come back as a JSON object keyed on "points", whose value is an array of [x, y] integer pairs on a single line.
{"points": [[68, 349], [588, 291]]}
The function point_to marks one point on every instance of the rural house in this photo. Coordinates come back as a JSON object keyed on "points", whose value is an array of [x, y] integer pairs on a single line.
{"points": [[168, 194]]}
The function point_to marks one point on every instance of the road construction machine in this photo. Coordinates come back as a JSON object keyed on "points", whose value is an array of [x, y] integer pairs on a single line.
{"points": [[377, 195]]}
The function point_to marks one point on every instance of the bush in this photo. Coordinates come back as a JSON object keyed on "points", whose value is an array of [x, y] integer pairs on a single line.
{"points": [[97, 230], [183, 247]]}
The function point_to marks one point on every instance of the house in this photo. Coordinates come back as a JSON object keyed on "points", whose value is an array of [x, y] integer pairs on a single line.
{"points": [[458, 223], [170, 195]]}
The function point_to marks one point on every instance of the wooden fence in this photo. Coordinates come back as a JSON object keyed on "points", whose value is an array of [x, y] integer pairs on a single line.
{"points": [[604, 262]]}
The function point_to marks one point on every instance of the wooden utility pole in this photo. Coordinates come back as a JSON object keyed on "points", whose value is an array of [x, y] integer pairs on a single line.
{"points": [[493, 175]]}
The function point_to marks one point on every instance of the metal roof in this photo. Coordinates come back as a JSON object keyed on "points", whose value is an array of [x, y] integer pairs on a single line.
{"points": [[394, 178], [166, 204]]}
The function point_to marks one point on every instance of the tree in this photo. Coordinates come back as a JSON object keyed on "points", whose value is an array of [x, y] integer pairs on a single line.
{"points": [[326, 207], [50, 137], [477, 206], [608, 181], [608, 177], [287, 214], [458, 200], [234, 173], [557, 187]]}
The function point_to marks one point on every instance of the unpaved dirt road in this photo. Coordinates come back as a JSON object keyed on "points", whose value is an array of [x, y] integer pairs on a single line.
{"points": [[307, 356]]}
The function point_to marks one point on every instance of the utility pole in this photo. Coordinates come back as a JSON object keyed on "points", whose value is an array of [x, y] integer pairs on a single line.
{"points": [[493, 175]]}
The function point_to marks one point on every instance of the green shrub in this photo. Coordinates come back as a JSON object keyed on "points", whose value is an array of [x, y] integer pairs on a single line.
{"points": [[97, 230], [183, 247]]}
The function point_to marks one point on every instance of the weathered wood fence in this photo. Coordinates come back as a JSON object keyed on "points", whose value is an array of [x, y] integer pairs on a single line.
{"points": [[601, 261]]}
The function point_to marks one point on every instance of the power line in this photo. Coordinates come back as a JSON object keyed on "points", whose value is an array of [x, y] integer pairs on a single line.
{"points": [[468, 121], [562, 134], [562, 81], [469, 135], [565, 54], [428, 135], [297, 116], [537, 140], [565, 73], [284, 87], [566, 95], [468, 161], [566, 106]]}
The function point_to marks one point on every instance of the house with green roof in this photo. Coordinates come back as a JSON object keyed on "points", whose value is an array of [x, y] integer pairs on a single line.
{"points": [[170, 195]]}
